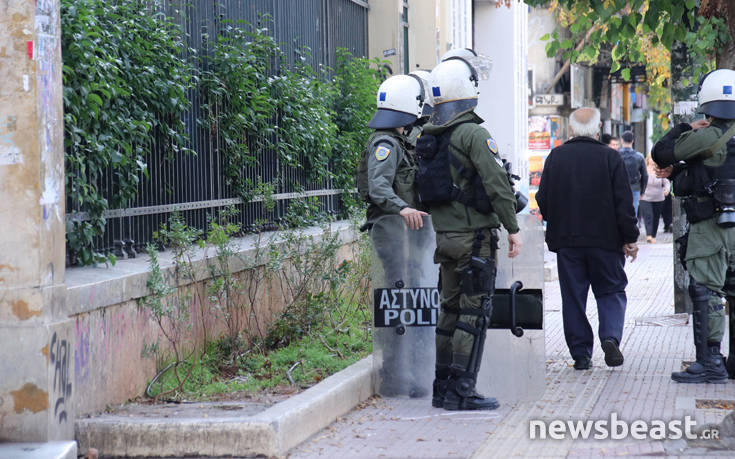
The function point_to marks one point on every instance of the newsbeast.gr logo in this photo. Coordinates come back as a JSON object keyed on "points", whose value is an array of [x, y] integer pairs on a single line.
{"points": [[617, 429]]}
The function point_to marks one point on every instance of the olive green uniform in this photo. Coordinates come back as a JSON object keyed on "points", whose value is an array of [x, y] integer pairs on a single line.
{"points": [[391, 169], [455, 225], [710, 255], [391, 173]]}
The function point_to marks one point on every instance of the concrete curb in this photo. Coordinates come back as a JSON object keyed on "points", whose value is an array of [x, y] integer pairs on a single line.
{"points": [[48, 450], [270, 433]]}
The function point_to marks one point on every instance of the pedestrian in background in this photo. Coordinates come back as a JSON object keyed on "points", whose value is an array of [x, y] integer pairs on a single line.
{"points": [[586, 200], [635, 164], [667, 212], [610, 141], [652, 201]]}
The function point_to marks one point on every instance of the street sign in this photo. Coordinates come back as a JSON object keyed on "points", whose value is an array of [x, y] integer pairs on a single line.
{"points": [[548, 99]]}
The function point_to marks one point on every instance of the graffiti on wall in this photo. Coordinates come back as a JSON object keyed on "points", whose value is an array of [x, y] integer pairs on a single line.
{"points": [[59, 356], [81, 353]]}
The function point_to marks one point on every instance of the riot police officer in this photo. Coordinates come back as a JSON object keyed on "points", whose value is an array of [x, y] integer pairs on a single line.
{"points": [[386, 181], [706, 180], [386, 174], [463, 182]]}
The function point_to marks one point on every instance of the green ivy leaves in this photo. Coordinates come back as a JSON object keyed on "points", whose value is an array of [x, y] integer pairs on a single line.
{"points": [[125, 83], [256, 102]]}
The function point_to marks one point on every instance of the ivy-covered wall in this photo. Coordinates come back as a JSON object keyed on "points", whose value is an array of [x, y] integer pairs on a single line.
{"points": [[179, 106]]}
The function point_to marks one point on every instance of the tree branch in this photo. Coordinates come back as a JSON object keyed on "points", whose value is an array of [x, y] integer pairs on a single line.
{"points": [[566, 65]]}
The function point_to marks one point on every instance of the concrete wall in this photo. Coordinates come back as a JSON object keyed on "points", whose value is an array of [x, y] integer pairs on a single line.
{"points": [[111, 329], [503, 101], [422, 39], [36, 382], [433, 29]]}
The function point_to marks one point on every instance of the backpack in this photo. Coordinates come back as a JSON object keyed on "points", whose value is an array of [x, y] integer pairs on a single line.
{"points": [[434, 183], [632, 165], [362, 180]]}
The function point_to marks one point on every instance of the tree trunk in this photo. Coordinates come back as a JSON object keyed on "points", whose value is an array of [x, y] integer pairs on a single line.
{"points": [[726, 56]]}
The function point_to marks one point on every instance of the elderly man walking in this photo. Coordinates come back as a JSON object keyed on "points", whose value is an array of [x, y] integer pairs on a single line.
{"points": [[586, 200]]}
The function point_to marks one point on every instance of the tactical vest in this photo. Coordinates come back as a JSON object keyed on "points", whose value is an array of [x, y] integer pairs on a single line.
{"points": [[434, 183], [708, 190]]}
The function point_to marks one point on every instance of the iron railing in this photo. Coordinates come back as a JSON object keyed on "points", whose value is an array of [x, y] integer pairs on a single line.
{"points": [[194, 185]]}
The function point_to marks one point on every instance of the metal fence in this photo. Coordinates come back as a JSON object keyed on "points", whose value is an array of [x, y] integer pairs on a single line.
{"points": [[194, 185]]}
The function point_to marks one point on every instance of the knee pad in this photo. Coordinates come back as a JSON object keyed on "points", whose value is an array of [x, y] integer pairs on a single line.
{"points": [[699, 293]]}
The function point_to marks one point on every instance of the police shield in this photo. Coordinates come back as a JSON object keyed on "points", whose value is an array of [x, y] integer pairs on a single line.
{"points": [[405, 305]]}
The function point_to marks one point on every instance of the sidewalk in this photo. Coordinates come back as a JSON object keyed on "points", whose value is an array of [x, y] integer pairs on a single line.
{"points": [[655, 342]]}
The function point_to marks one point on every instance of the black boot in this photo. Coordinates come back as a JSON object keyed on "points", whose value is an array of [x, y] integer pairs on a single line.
{"points": [[712, 370], [439, 388], [461, 395], [709, 367]]}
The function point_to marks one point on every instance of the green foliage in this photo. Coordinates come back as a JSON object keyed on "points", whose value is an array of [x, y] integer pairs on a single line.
{"points": [[303, 212], [232, 295], [324, 327], [255, 102], [356, 83], [125, 83], [307, 360], [628, 25], [239, 109]]}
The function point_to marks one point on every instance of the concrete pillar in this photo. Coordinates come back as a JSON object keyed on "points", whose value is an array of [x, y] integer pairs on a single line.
{"points": [[36, 337], [513, 369]]}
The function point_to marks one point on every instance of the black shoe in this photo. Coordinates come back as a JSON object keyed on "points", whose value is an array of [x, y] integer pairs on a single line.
{"points": [[439, 392], [712, 370], [475, 402], [582, 363], [613, 356]]}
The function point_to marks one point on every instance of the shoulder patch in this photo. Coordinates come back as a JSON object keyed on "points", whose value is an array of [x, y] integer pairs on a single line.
{"points": [[492, 145], [381, 152]]}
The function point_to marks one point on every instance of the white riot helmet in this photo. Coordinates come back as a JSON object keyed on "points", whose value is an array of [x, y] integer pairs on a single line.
{"points": [[400, 101], [454, 90], [424, 78], [716, 97], [482, 64]]}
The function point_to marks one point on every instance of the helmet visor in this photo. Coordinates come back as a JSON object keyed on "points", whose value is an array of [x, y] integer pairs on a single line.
{"points": [[448, 111], [723, 109], [385, 118]]}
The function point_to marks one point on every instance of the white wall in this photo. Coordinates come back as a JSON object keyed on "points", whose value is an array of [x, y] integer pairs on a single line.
{"points": [[501, 34]]}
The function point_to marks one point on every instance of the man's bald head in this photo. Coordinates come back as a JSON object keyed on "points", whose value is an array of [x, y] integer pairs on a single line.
{"points": [[585, 122]]}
